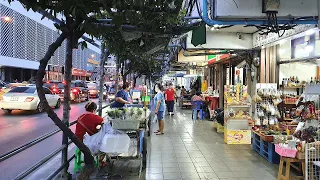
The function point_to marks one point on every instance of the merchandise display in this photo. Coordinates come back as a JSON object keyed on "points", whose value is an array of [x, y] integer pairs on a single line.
{"points": [[237, 115]]}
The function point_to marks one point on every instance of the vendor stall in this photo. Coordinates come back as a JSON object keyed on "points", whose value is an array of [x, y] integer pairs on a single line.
{"points": [[237, 115]]}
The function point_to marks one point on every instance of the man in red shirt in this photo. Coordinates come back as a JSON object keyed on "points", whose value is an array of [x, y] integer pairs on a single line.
{"points": [[170, 92]]}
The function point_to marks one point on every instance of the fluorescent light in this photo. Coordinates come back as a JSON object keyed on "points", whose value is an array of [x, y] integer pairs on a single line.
{"points": [[310, 31]]}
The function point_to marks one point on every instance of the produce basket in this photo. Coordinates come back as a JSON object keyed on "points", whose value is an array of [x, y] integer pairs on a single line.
{"points": [[126, 124], [286, 152]]}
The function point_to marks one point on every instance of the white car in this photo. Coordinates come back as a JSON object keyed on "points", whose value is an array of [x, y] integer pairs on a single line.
{"points": [[26, 98]]}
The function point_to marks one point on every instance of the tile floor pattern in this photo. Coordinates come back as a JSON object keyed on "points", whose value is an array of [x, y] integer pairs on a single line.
{"points": [[193, 150]]}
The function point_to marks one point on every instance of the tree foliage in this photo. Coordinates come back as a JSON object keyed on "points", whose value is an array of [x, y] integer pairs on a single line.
{"points": [[151, 25]]}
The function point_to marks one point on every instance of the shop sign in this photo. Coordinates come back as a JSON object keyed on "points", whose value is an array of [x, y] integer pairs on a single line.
{"points": [[78, 72], [88, 74], [261, 40], [213, 58], [237, 136], [91, 61], [52, 68]]}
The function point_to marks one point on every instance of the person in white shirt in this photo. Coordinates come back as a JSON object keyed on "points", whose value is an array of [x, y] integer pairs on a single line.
{"points": [[178, 94]]}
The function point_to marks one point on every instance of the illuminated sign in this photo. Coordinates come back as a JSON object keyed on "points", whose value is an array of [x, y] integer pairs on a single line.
{"points": [[91, 61]]}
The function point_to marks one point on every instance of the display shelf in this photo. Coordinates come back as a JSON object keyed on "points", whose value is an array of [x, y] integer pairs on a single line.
{"points": [[265, 149], [288, 119], [293, 87], [290, 103]]}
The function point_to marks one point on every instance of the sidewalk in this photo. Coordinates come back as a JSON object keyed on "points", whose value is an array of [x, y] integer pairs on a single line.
{"points": [[193, 150], [189, 150]]}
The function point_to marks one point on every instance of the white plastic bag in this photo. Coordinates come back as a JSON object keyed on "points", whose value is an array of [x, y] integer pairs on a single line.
{"points": [[115, 142], [94, 142]]}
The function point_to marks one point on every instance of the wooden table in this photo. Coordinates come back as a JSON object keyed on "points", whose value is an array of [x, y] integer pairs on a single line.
{"points": [[288, 164]]}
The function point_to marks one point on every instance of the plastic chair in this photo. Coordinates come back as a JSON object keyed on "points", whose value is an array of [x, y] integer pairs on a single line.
{"points": [[197, 106], [78, 161]]}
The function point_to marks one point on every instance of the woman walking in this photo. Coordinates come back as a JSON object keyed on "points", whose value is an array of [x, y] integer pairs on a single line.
{"points": [[159, 110], [170, 92]]}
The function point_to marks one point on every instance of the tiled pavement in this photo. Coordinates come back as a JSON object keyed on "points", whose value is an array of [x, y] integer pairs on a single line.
{"points": [[193, 150]]}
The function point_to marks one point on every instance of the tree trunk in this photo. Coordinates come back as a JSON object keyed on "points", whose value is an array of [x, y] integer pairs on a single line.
{"points": [[134, 81], [117, 75], [124, 78], [104, 56]]}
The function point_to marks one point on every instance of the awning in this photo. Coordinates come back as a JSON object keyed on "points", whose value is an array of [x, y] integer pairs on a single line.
{"points": [[18, 63]]}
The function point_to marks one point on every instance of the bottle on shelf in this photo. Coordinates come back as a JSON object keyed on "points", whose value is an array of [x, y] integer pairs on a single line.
{"points": [[311, 82]]}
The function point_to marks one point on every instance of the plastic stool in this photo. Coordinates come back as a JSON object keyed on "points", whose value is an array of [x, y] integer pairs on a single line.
{"points": [[78, 161], [197, 106]]}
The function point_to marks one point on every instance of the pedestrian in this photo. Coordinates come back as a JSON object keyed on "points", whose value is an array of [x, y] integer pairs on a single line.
{"points": [[169, 94], [178, 94], [159, 108], [122, 97]]}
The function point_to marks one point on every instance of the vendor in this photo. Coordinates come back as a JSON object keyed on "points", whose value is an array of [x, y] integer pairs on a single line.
{"points": [[88, 122], [122, 97]]}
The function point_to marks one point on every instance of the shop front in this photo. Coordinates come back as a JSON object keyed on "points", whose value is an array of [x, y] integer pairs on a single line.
{"points": [[285, 101], [54, 73], [78, 74]]}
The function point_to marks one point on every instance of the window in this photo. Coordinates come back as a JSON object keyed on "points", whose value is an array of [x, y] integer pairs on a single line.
{"points": [[60, 85], [30, 90], [47, 91]]}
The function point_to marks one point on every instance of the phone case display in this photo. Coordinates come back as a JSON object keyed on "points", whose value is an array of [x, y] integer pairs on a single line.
{"points": [[237, 115]]}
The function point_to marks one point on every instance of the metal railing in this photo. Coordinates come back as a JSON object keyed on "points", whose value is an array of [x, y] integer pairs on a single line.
{"points": [[65, 163]]}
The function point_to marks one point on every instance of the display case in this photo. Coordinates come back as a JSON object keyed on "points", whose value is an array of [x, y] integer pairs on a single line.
{"points": [[237, 117]]}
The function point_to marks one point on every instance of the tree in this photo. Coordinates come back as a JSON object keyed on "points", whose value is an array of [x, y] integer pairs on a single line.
{"points": [[156, 21]]}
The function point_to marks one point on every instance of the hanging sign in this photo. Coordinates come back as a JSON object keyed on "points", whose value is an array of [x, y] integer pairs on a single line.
{"points": [[261, 40]]}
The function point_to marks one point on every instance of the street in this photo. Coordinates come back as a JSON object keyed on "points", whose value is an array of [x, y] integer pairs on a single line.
{"points": [[22, 127]]}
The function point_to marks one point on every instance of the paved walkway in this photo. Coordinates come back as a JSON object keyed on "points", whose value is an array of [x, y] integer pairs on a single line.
{"points": [[193, 150]]}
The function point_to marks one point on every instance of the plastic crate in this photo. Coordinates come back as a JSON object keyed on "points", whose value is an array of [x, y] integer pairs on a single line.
{"points": [[265, 149], [126, 124]]}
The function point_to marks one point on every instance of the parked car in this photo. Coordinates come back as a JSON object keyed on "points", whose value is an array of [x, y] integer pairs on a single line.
{"points": [[26, 98], [93, 89]]}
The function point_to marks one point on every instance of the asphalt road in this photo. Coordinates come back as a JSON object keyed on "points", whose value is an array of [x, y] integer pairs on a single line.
{"points": [[21, 127]]}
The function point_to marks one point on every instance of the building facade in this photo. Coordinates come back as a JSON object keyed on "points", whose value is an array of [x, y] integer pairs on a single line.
{"points": [[24, 39]]}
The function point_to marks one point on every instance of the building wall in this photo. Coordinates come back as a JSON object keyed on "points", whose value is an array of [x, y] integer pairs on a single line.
{"points": [[27, 38]]}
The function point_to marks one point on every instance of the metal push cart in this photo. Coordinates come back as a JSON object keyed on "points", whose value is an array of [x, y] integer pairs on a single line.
{"points": [[133, 130], [145, 123]]}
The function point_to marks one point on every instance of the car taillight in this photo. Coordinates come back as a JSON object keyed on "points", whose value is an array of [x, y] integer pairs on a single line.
{"points": [[29, 99], [55, 90], [75, 90]]}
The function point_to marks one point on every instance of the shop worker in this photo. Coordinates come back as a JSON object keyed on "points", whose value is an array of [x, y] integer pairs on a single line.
{"points": [[122, 97]]}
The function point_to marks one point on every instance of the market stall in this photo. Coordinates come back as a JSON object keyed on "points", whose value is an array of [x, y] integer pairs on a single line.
{"points": [[237, 116]]}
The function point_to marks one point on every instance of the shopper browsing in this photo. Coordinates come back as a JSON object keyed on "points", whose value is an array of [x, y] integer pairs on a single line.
{"points": [[159, 110]]}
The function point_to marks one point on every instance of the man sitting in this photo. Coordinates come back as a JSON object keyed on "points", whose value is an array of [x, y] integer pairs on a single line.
{"points": [[197, 97]]}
